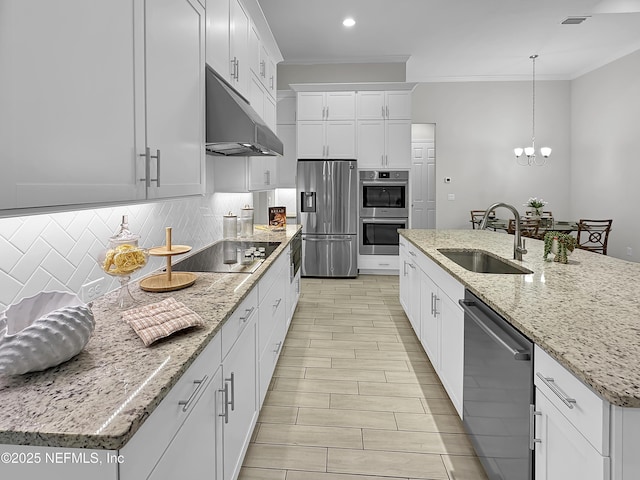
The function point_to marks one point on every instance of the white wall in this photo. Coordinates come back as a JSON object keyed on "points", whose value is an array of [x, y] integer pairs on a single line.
{"points": [[340, 73], [605, 136], [477, 126]]}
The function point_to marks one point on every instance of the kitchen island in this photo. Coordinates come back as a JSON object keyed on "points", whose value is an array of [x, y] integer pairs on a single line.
{"points": [[583, 318], [585, 314], [100, 399]]}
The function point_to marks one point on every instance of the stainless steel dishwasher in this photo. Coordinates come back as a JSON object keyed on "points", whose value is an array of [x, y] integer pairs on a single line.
{"points": [[498, 391]]}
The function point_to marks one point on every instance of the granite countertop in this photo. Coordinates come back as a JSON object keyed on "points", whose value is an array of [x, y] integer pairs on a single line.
{"points": [[100, 398], [585, 314]]}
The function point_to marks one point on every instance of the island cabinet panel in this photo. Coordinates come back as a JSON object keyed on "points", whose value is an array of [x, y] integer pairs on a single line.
{"points": [[429, 296], [561, 451]]}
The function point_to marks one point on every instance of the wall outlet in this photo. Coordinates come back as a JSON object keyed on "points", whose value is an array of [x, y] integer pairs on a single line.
{"points": [[92, 290]]}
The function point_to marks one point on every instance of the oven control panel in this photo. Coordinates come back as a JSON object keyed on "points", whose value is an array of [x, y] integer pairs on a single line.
{"points": [[384, 175]]}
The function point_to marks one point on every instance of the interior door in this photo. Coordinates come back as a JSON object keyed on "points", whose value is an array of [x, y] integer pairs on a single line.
{"points": [[423, 185]]}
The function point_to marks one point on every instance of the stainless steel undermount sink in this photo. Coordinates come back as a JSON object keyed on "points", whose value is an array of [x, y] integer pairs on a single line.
{"points": [[480, 261]]}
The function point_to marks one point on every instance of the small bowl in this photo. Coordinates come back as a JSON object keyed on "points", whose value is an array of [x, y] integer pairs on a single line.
{"points": [[43, 331]]}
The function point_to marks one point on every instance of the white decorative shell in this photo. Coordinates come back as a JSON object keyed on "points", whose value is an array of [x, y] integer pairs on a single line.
{"points": [[43, 331]]}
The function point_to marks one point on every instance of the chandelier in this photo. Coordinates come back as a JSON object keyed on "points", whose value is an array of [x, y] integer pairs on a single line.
{"points": [[530, 152]]}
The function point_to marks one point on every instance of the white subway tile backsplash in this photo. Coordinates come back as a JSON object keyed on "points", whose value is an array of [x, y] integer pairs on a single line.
{"points": [[30, 261], [58, 251], [10, 255]]}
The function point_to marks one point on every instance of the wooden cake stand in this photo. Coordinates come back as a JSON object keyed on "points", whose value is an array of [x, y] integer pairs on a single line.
{"points": [[168, 281]]}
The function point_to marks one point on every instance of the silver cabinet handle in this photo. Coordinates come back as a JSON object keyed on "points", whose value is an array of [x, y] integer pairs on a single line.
{"points": [[277, 304], [550, 382], [532, 427], [200, 384], [382, 111], [404, 268], [278, 347], [435, 305], [271, 82], [433, 309], [233, 391], [412, 253], [237, 69], [248, 313], [225, 402], [147, 167], [234, 68]]}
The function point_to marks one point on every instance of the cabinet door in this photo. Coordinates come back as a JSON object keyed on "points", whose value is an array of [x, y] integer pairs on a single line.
{"points": [[239, 370], [563, 452], [217, 37], [174, 79], [340, 105], [370, 105], [239, 47], [262, 174], [311, 106], [398, 143], [255, 51], [371, 143], [256, 95], [398, 105], [195, 453], [451, 348], [67, 121], [270, 115], [341, 139], [286, 166], [311, 139], [430, 322]]}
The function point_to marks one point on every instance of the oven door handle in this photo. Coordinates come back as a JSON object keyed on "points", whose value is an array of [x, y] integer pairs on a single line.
{"points": [[374, 183], [468, 306], [384, 220]]}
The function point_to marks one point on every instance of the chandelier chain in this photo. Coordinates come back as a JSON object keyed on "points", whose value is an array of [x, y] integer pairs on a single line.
{"points": [[533, 109]]}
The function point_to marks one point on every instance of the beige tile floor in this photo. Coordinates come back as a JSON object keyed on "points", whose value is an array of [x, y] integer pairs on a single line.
{"points": [[354, 396]]}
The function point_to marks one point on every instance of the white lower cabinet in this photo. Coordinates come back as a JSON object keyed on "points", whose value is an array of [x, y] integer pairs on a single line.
{"points": [[196, 450], [429, 296], [562, 451], [240, 399], [273, 316]]}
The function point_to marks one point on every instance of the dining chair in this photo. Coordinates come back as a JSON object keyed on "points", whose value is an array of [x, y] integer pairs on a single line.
{"points": [[593, 235], [528, 227], [476, 217]]}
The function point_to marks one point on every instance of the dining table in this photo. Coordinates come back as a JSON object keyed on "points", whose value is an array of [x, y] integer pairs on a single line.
{"points": [[546, 224]]}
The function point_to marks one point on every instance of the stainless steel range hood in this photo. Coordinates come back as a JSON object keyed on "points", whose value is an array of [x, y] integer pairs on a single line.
{"points": [[233, 127]]}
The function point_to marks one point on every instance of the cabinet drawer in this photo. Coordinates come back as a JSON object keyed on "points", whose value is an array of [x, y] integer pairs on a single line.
{"points": [[584, 408], [272, 274], [239, 319], [272, 312], [150, 441]]}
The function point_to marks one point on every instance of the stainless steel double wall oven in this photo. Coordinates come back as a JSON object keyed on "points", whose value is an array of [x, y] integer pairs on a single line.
{"points": [[384, 197]]}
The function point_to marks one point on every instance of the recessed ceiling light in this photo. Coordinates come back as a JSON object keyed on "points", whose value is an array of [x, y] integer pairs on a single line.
{"points": [[348, 22]]}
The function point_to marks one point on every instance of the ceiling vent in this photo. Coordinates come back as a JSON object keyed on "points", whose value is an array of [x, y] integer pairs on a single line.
{"points": [[573, 20]]}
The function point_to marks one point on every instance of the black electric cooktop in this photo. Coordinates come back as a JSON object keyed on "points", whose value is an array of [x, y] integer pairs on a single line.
{"points": [[228, 256]]}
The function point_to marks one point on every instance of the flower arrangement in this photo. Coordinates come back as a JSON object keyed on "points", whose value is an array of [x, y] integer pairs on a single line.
{"points": [[536, 204], [561, 244]]}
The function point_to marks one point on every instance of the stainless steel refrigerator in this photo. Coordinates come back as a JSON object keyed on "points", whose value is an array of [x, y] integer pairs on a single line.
{"points": [[328, 213]]}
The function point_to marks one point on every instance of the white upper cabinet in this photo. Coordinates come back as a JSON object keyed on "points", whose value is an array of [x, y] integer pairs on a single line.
{"points": [[217, 35], [86, 87], [175, 97], [67, 121], [384, 129], [394, 105], [326, 106], [239, 25]]}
